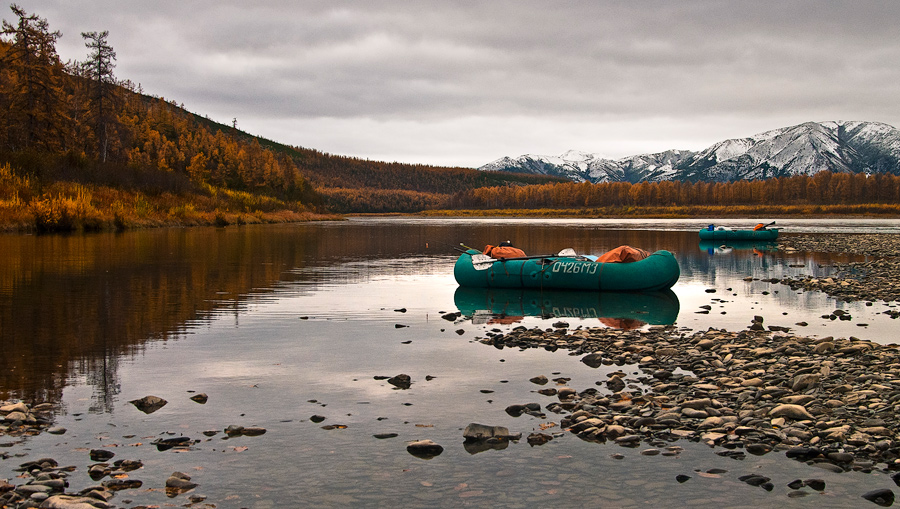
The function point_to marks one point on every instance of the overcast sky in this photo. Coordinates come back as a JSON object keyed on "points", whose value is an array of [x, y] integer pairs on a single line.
{"points": [[464, 82]]}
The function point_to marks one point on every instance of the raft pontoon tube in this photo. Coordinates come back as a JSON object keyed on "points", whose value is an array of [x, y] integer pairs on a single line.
{"points": [[758, 235], [656, 272]]}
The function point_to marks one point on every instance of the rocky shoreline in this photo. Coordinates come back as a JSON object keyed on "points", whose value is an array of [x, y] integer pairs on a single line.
{"points": [[829, 402], [832, 403], [44, 482], [875, 279]]}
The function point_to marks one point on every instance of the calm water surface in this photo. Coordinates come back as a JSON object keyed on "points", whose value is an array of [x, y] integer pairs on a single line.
{"points": [[280, 323]]}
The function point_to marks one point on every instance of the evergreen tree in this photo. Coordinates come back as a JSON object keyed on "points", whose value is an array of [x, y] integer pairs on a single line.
{"points": [[99, 69]]}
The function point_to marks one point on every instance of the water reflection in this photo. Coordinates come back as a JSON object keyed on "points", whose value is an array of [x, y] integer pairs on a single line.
{"points": [[319, 310], [477, 446], [72, 307], [621, 310], [714, 247]]}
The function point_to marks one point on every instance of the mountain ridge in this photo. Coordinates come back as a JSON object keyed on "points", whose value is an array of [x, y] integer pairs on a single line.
{"points": [[803, 149]]}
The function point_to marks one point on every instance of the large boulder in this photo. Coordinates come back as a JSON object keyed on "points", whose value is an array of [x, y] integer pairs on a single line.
{"points": [[475, 431]]}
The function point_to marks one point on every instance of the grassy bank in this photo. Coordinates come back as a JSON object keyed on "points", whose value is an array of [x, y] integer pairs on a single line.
{"points": [[26, 206]]}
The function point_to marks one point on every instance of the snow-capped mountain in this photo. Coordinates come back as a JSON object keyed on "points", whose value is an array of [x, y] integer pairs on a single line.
{"points": [[808, 148]]}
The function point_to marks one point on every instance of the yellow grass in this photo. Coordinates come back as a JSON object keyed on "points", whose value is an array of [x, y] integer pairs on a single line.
{"points": [[69, 207]]}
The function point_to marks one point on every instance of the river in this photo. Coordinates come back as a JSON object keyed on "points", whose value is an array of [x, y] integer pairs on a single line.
{"points": [[277, 324]]}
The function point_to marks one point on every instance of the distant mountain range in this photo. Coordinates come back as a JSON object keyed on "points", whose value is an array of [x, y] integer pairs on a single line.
{"points": [[805, 149]]}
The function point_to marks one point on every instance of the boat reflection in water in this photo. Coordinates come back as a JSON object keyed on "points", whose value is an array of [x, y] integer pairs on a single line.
{"points": [[621, 310], [714, 247]]}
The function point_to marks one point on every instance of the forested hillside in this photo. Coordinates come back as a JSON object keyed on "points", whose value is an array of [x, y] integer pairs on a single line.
{"points": [[82, 149]]}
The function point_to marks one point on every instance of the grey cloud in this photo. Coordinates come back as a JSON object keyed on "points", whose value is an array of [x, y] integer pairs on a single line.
{"points": [[413, 69]]}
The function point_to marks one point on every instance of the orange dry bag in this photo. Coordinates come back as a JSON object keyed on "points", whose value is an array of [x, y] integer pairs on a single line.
{"points": [[503, 251], [623, 254]]}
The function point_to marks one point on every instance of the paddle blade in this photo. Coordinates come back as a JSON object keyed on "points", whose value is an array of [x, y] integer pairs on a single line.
{"points": [[482, 261]]}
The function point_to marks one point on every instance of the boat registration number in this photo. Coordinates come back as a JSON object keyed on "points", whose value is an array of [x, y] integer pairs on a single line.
{"points": [[575, 267]]}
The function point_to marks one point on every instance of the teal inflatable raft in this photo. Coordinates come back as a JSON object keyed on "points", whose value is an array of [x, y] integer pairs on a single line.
{"points": [[563, 272], [757, 235]]}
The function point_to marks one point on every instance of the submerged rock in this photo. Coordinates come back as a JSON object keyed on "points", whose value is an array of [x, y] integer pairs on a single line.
{"points": [[401, 381], [424, 449], [538, 439], [149, 404], [883, 497], [164, 444], [101, 455], [178, 483]]}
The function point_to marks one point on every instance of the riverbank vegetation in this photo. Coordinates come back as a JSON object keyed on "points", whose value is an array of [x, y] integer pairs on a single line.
{"points": [[682, 212], [66, 206], [824, 193]]}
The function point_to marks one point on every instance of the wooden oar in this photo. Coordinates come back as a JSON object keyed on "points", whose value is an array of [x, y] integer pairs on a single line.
{"points": [[483, 261]]}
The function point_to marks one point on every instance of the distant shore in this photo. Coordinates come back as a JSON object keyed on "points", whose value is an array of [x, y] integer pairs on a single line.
{"points": [[750, 212]]}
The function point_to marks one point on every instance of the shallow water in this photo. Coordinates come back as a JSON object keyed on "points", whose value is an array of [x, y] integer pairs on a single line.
{"points": [[279, 323]]}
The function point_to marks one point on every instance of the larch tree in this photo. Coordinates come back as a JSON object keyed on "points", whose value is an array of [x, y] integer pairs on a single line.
{"points": [[32, 81], [99, 68]]}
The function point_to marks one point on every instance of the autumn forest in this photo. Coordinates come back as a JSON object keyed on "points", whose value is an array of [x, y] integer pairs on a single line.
{"points": [[83, 150]]}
